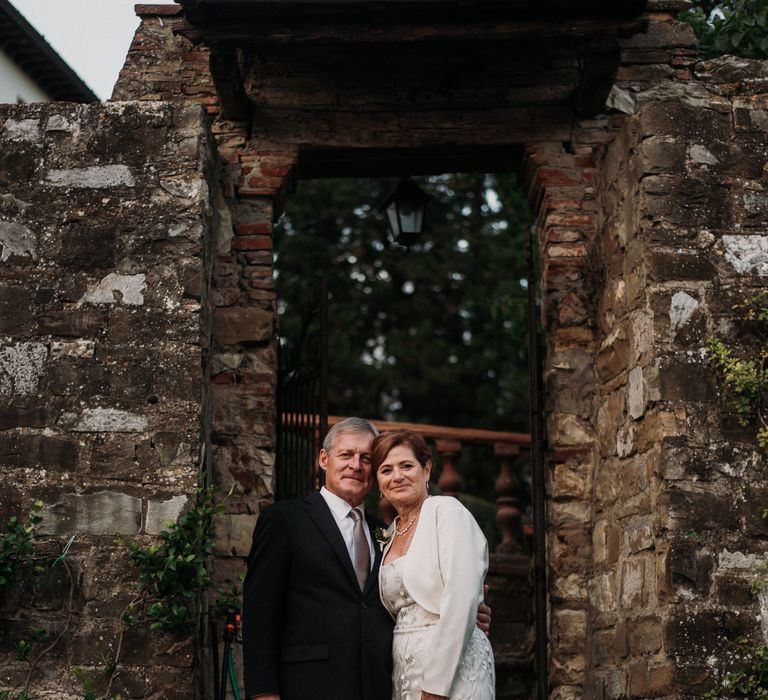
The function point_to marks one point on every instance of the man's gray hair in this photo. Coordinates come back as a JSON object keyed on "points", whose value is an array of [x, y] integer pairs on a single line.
{"points": [[349, 425]]}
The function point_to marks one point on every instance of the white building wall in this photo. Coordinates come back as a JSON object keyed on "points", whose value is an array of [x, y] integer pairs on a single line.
{"points": [[15, 85]]}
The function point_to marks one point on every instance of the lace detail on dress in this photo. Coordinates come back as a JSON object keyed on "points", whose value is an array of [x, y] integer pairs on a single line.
{"points": [[475, 677]]}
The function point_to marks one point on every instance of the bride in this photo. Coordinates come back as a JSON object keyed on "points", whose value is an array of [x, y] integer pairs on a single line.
{"points": [[431, 580]]}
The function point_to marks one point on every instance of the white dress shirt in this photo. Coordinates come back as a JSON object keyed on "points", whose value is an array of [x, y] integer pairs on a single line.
{"points": [[340, 511]]}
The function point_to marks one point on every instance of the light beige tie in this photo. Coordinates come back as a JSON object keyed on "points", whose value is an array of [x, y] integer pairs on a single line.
{"points": [[362, 553]]}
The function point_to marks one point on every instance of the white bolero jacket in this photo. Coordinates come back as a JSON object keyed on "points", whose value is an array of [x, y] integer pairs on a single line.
{"points": [[444, 571]]}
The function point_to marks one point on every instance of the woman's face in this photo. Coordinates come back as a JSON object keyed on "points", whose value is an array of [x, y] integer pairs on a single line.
{"points": [[402, 479]]}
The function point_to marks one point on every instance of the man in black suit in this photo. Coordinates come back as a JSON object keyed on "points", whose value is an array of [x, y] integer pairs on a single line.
{"points": [[310, 632]]}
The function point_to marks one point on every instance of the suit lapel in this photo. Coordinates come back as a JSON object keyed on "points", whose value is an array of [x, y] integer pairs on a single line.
{"points": [[318, 510]]}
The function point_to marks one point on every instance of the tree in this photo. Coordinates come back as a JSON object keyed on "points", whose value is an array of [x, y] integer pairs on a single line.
{"points": [[737, 27], [433, 334]]}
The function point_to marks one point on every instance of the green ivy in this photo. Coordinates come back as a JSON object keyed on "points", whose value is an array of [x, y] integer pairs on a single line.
{"points": [[748, 677], [742, 367], [737, 27], [17, 549], [174, 573]]}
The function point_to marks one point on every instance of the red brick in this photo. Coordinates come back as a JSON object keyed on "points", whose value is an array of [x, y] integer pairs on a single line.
{"points": [[157, 10], [251, 229], [223, 378], [271, 157], [261, 258], [556, 176], [252, 243], [256, 192], [567, 250], [276, 170], [271, 182]]}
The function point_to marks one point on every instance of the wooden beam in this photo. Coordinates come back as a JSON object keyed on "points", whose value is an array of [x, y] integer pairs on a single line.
{"points": [[225, 71], [248, 34], [394, 162], [600, 64]]}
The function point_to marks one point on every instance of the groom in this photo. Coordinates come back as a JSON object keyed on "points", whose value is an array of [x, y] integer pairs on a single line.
{"points": [[311, 631]]}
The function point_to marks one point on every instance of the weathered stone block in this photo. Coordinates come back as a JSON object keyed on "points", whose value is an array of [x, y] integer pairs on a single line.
{"points": [[23, 417], [570, 626], [100, 513], [109, 420], [603, 593], [645, 635], [639, 537], [634, 477], [610, 415], [568, 429], [572, 481], [734, 590], [234, 533], [653, 428], [664, 266], [232, 326], [607, 482], [613, 357], [702, 510], [571, 386], [81, 323], [161, 513], [21, 367], [689, 632], [38, 451], [678, 119], [632, 583]]}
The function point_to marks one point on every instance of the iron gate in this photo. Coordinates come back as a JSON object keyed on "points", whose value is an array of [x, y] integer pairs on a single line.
{"points": [[302, 402]]}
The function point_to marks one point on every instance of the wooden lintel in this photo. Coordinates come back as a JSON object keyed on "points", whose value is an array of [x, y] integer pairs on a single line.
{"points": [[225, 71], [245, 33]]}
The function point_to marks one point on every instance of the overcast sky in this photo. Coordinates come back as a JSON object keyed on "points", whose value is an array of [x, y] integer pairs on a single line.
{"points": [[93, 36]]}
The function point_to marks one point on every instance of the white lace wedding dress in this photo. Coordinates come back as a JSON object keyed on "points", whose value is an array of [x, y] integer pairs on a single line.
{"points": [[475, 677]]}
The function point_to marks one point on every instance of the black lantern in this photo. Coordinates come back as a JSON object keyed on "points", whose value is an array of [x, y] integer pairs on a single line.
{"points": [[405, 211]]}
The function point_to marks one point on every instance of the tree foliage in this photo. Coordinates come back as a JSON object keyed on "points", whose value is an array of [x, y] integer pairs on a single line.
{"points": [[737, 27], [435, 333]]}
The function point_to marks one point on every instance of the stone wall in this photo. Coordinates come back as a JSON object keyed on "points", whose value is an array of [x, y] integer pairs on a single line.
{"points": [[105, 228], [655, 529]]}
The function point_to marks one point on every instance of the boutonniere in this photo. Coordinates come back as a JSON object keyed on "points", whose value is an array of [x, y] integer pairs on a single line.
{"points": [[382, 536]]}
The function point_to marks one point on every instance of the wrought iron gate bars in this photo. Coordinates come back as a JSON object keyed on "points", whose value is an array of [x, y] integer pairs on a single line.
{"points": [[537, 481], [302, 403]]}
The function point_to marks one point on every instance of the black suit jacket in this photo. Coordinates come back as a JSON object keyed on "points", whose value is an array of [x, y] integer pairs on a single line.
{"points": [[309, 633]]}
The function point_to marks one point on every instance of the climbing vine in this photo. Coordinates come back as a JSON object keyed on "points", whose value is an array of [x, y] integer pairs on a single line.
{"points": [[17, 549], [748, 677], [173, 574], [741, 366]]}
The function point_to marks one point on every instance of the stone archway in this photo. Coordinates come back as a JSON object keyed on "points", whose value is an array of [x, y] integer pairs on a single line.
{"points": [[629, 288]]}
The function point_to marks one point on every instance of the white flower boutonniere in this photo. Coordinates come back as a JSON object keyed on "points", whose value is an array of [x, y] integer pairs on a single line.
{"points": [[382, 536]]}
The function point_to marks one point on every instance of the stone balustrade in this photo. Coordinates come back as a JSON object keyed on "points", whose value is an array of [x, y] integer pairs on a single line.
{"points": [[506, 447]]}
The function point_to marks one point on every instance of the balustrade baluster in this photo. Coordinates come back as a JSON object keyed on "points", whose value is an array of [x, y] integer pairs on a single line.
{"points": [[507, 487], [450, 481]]}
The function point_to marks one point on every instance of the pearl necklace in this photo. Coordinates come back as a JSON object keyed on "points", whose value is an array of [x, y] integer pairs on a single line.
{"points": [[410, 522]]}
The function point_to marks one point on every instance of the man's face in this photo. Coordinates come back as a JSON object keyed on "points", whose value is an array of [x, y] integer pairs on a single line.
{"points": [[347, 466]]}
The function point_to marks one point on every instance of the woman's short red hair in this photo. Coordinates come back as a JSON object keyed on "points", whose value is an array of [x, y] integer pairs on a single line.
{"points": [[383, 444]]}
